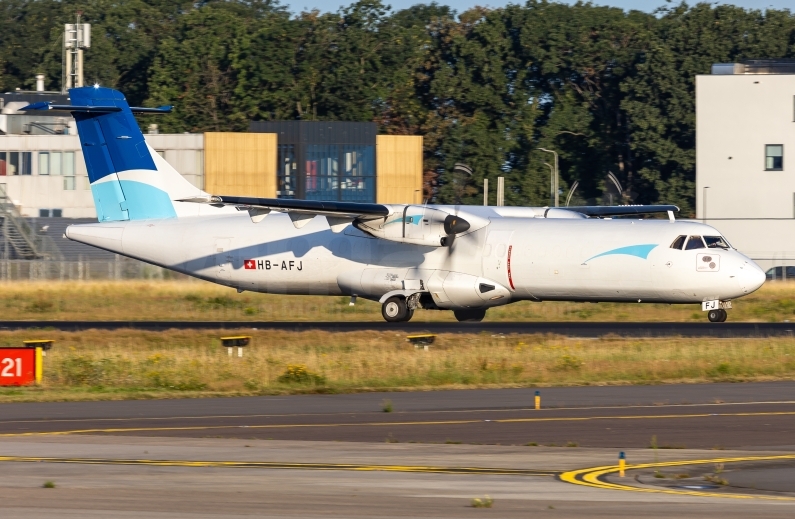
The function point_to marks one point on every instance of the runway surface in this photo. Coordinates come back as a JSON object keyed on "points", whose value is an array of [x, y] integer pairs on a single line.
{"points": [[340, 456], [571, 329], [678, 416], [176, 481]]}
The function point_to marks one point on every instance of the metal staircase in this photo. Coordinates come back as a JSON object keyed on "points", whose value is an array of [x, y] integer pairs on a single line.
{"points": [[19, 239]]}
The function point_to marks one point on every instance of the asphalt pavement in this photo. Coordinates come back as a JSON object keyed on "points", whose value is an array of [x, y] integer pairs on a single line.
{"points": [[678, 416], [570, 329]]}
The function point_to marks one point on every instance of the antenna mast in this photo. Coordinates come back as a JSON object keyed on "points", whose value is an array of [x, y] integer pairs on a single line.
{"points": [[76, 37]]}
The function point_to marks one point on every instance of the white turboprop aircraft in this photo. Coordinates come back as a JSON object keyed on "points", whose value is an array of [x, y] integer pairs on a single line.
{"points": [[465, 259]]}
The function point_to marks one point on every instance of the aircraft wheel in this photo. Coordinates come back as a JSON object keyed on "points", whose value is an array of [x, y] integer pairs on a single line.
{"points": [[716, 316], [724, 315], [394, 310], [470, 315]]}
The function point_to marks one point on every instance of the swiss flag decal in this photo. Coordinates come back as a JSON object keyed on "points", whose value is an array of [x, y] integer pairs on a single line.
{"points": [[250, 265]]}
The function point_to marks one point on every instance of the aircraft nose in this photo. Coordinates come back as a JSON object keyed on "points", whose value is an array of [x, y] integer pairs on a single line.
{"points": [[750, 277]]}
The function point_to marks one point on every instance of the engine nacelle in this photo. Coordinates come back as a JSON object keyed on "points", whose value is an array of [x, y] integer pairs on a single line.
{"points": [[416, 224], [458, 290]]}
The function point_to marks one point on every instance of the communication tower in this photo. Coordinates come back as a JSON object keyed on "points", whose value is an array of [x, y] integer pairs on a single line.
{"points": [[76, 37]]}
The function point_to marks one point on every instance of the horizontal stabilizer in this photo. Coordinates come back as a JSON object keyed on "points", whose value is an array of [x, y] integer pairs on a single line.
{"points": [[620, 210], [46, 105]]}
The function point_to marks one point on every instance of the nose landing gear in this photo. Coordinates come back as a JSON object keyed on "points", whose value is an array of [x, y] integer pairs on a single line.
{"points": [[717, 316]]}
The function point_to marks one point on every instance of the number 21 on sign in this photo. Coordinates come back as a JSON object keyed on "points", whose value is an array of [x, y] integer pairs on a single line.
{"points": [[17, 366]]}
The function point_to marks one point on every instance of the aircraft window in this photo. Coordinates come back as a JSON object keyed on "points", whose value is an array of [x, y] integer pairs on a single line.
{"points": [[695, 242], [679, 242], [716, 242]]}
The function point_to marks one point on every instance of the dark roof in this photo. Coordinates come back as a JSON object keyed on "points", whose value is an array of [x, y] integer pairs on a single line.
{"points": [[318, 132], [33, 97]]}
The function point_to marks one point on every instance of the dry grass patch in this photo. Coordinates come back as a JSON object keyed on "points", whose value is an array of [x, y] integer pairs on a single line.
{"points": [[135, 364], [202, 301]]}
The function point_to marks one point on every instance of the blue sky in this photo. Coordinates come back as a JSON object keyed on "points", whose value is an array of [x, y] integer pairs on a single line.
{"points": [[462, 5]]}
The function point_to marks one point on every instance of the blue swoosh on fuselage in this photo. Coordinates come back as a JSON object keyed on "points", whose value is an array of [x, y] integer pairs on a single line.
{"points": [[639, 251]]}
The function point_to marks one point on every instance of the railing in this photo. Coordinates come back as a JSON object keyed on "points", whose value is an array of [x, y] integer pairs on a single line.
{"points": [[19, 235]]}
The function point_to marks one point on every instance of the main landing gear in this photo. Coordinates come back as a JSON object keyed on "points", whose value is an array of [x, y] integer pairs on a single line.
{"points": [[395, 310], [717, 316]]}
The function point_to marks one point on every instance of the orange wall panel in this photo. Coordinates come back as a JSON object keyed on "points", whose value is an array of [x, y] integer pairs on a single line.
{"points": [[240, 164], [399, 169]]}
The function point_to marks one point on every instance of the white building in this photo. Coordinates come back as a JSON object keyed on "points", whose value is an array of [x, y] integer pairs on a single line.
{"points": [[745, 157], [45, 175]]}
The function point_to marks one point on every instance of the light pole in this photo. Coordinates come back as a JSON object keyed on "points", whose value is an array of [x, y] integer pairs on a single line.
{"points": [[555, 194], [551, 181], [704, 201]]}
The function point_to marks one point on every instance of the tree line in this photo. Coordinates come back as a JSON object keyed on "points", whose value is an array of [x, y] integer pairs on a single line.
{"points": [[610, 91]]}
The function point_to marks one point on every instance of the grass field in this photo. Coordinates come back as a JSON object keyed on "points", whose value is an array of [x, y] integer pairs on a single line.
{"points": [[127, 364], [202, 301]]}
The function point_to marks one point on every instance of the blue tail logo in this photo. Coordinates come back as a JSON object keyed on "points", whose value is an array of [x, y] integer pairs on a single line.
{"points": [[120, 165], [127, 181]]}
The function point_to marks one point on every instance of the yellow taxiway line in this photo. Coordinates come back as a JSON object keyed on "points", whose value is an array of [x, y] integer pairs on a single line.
{"points": [[594, 477], [283, 465], [394, 424]]}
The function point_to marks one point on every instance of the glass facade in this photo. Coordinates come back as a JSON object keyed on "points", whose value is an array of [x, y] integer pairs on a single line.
{"points": [[345, 173], [322, 172], [358, 175], [324, 160], [287, 172]]}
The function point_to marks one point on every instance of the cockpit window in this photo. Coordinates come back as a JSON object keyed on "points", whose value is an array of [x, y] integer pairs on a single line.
{"points": [[694, 242], [716, 242], [679, 242]]}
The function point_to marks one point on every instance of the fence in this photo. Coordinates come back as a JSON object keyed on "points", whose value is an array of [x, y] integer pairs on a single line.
{"points": [[48, 270]]}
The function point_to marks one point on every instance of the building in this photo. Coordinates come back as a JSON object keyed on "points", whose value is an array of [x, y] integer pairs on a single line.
{"points": [[43, 174], [745, 157]]}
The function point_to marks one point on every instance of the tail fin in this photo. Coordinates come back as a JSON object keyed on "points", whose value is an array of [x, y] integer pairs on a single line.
{"points": [[129, 180]]}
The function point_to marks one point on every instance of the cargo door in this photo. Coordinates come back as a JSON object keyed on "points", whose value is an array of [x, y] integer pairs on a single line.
{"points": [[497, 253]]}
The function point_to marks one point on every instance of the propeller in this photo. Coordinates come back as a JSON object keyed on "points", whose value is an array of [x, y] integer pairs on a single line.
{"points": [[453, 225]]}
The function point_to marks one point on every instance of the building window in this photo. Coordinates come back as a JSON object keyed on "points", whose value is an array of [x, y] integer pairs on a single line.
{"points": [[322, 172], [358, 182], [55, 162], [44, 213], [24, 162], [333, 172], [44, 169], [287, 174], [68, 170], [15, 163], [57, 213], [774, 157]]}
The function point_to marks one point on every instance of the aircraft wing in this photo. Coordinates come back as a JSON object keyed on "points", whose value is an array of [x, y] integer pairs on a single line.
{"points": [[621, 210], [338, 214], [349, 209]]}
